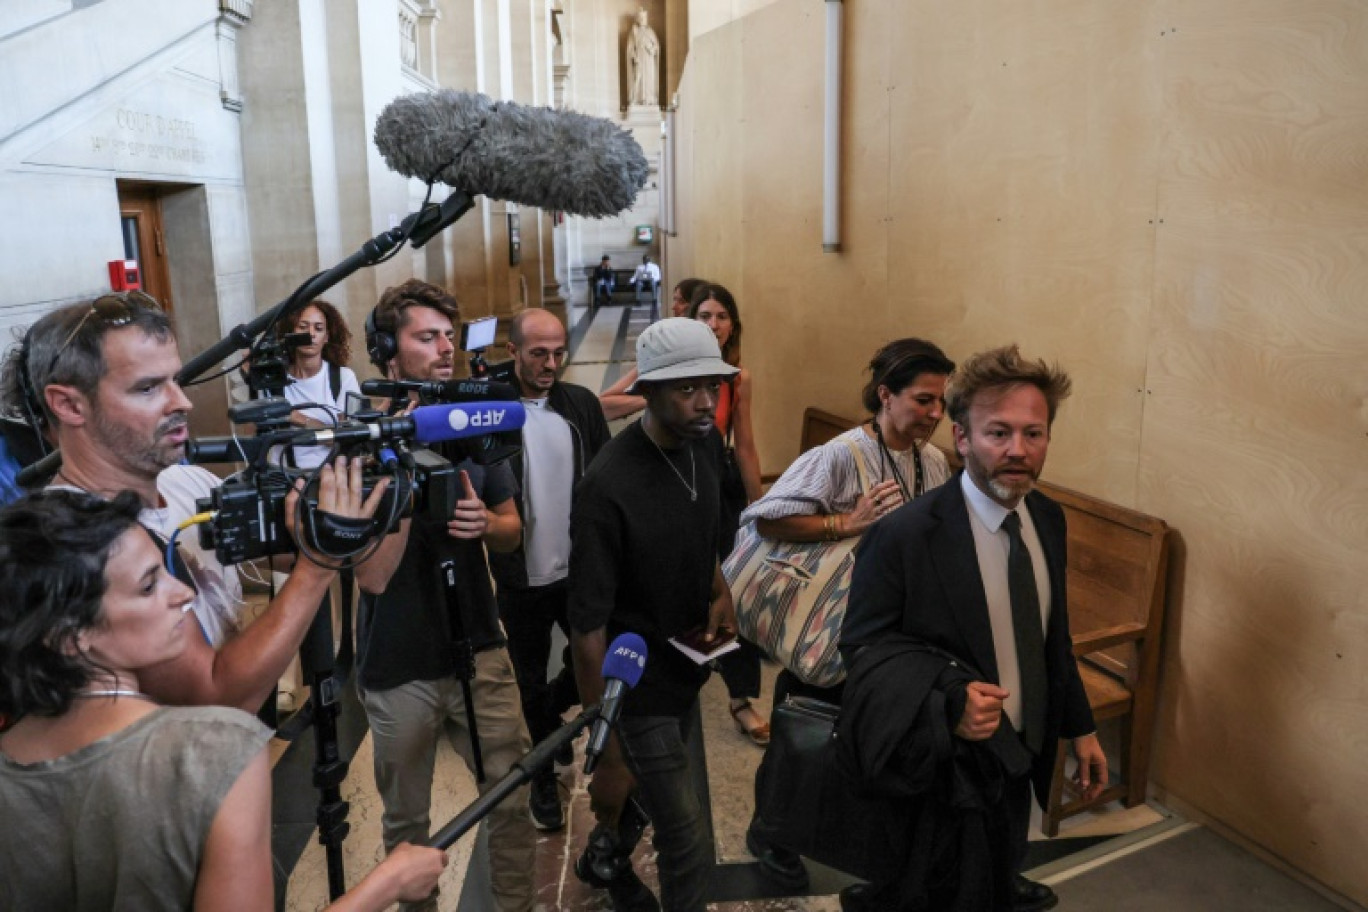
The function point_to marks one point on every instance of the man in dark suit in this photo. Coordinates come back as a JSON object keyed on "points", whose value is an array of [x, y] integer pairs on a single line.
{"points": [[967, 567]]}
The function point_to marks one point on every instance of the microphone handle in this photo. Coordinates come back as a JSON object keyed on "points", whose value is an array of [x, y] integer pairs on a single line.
{"points": [[521, 772], [609, 710], [242, 336], [41, 470]]}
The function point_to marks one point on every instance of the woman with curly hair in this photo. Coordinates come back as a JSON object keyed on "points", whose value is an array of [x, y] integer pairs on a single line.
{"points": [[111, 801], [319, 377]]}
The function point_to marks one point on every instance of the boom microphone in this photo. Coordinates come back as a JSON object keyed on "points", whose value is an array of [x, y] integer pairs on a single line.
{"points": [[443, 390], [622, 668], [533, 156]]}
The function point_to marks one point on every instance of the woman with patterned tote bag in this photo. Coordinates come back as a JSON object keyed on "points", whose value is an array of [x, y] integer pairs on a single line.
{"points": [[790, 571]]}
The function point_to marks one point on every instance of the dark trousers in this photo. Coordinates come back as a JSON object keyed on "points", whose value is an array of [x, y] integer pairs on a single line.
{"points": [[528, 617], [654, 748], [1017, 799], [740, 670]]}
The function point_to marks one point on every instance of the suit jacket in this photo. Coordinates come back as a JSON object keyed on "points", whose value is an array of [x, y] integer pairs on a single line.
{"points": [[917, 574]]}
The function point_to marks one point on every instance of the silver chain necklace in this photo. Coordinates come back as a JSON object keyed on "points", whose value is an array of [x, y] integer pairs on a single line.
{"points": [[693, 468], [111, 693]]}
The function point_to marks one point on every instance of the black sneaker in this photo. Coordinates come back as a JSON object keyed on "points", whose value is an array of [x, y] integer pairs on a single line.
{"points": [[545, 804], [565, 754], [627, 891]]}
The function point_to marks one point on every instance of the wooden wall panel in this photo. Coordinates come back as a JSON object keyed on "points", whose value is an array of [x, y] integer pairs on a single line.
{"points": [[1254, 435], [1169, 198], [1023, 149], [802, 306]]}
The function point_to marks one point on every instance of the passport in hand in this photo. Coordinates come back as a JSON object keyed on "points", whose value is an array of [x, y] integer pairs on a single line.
{"points": [[693, 645]]}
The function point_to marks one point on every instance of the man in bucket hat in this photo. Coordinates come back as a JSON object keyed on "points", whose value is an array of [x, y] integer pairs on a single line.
{"points": [[644, 559]]}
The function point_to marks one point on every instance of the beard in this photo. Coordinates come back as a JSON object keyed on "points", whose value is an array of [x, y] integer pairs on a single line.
{"points": [[146, 456], [1004, 489], [535, 379]]}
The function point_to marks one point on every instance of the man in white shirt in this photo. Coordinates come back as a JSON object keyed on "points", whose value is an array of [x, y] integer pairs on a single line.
{"points": [[646, 275], [101, 376], [975, 569], [565, 429]]}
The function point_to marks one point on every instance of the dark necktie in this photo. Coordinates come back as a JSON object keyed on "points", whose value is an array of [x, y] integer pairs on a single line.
{"points": [[1030, 638]]}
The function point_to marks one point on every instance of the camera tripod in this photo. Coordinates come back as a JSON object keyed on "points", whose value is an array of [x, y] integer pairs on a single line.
{"points": [[327, 673]]}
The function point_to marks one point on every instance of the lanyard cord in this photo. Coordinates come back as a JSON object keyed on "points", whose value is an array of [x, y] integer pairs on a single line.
{"points": [[919, 482]]}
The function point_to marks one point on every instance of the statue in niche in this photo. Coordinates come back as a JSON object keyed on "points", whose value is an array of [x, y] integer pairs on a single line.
{"points": [[643, 64]]}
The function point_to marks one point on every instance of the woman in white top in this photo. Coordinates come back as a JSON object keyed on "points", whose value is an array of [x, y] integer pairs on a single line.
{"points": [[110, 801], [819, 498], [320, 380], [319, 377]]}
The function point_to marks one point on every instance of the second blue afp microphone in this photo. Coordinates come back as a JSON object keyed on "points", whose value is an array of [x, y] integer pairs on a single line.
{"points": [[428, 424], [623, 666]]}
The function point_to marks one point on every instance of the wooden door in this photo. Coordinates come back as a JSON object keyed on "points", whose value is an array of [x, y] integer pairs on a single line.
{"points": [[140, 218]]}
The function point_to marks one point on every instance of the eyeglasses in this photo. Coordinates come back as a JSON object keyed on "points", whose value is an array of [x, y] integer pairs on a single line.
{"points": [[113, 310]]}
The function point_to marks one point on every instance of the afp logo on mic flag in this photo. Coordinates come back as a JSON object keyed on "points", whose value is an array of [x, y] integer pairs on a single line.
{"points": [[491, 419], [631, 655]]}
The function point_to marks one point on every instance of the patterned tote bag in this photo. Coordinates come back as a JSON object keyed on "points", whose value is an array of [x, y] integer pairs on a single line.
{"points": [[791, 597]]}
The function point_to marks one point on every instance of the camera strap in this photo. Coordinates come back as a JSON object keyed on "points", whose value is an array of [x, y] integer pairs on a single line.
{"points": [[336, 535]]}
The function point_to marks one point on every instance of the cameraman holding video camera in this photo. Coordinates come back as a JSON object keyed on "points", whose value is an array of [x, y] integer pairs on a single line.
{"points": [[100, 375], [416, 667]]}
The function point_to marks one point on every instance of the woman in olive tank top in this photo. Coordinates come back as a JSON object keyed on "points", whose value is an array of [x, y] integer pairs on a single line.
{"points": [[111, 801]]}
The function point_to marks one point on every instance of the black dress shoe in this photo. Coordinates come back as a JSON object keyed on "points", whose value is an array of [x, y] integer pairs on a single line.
{"points": [[857, 898], [1029, 896], [783, 867]]}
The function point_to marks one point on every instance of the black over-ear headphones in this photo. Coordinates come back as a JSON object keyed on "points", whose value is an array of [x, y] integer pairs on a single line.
{"points": [[380, 343], [37, 415]]}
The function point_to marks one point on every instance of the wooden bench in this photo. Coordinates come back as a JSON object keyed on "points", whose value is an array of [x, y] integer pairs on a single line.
{"points": [[1117, 589], [622, 287], [1117, 582]]}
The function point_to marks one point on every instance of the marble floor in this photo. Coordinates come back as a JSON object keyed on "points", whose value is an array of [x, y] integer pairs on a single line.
{"points": [[602, 349]]}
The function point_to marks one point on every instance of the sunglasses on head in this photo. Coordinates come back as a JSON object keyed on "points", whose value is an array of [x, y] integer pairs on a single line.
{"points": [[113, 310]]}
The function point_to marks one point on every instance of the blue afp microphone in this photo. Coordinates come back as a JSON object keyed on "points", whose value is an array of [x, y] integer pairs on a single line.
{"points": [[622, 669], [427, 424]]}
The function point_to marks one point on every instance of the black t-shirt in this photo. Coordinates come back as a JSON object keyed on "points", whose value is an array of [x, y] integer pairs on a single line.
{"points": [[642, 556], [404, 634]]}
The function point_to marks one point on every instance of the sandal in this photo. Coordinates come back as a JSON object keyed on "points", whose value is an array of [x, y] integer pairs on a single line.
{"points": [[759, 734]]}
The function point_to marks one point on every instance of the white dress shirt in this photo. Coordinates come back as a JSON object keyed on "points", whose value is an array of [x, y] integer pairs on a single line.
{"points": [[992, 544]]}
